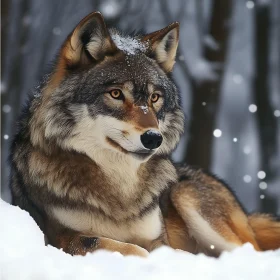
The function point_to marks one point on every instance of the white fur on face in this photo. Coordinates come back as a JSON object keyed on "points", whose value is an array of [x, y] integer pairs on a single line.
{"points": [[90, 136], [171, 129], [114, 128]]}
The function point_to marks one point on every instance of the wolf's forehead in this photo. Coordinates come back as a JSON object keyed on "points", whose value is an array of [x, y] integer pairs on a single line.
{"points": [[137, 68], [131, 86]]}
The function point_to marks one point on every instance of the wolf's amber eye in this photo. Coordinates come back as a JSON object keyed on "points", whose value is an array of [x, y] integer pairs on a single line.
{"points": [[155, 97], [116, 93]]}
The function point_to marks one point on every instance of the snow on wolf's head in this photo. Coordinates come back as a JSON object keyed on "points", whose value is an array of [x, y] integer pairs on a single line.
{"points": [[112, 92]]}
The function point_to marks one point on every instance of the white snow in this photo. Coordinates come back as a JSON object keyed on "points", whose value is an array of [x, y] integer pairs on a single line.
{"points": [[24, 256], [128, 44]]}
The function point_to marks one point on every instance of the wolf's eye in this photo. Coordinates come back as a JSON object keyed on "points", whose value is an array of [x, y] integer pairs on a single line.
{"points": [[116, 93], [155, 97]]}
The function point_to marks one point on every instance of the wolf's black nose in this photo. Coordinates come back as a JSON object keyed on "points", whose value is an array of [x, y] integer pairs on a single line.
{"points": [[151, 139]]}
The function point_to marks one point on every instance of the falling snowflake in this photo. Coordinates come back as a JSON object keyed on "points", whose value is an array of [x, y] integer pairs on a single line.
{"points": [[6, 136], [217, 133], [253, 108], [277, 113], [261, 174], [250, 4], [181, 58], [110, 9], [247, 150], [6, 108], [56, 31], [262, 196], [247, 178], [235, 139], [237, 78], [263, 185]]}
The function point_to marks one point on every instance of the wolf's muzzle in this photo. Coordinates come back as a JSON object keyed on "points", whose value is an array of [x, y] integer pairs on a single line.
{"points": [[151, 139]]}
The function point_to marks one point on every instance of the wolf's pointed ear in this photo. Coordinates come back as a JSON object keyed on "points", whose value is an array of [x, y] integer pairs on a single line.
{"points": [[89, 42], [163, 45]]}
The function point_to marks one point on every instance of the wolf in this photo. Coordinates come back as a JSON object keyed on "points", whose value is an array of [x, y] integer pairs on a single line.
{"points": [[91, 159]]}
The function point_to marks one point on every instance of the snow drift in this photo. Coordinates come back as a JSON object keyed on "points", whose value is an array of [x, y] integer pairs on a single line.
{"points": [[23, 256]]}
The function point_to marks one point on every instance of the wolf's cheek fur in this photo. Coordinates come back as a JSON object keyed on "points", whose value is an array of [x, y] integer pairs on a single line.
{"points": [[90, 135], [172, 127]]}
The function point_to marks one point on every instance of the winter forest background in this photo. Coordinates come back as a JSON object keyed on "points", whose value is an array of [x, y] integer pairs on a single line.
{"points": [[227, 70]]}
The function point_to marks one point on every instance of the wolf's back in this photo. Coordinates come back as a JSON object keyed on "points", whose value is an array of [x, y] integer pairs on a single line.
{"points": [[267, 231]]}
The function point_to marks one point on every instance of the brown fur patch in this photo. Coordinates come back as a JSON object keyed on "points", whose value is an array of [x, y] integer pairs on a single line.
{"points": [[177, 233], [239, 224], [141, 120], [267, 231]]}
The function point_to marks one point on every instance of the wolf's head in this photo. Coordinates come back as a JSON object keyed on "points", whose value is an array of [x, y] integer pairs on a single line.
{"points": [[112, 93]]}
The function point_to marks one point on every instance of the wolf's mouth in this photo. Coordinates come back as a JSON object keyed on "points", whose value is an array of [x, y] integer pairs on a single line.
{"points": [[140, 154]]}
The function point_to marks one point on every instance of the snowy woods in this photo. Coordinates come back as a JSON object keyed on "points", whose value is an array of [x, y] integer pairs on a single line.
{"points": [[228, 69]]}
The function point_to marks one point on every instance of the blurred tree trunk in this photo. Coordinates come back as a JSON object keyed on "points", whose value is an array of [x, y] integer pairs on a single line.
{"points": [[199, 149], [266, 122], [11, 68]]}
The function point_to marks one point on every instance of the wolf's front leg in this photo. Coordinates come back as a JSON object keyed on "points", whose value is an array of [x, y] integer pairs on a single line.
{"points": [[78, 244]]}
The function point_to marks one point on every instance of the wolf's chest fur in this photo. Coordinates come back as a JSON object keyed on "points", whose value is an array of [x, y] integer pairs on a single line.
{"points": [[139, 231], [104, 203], [124, 208]]}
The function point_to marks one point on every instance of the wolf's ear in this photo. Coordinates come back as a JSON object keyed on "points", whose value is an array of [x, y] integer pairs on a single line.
{"points": [[163, 45], [89, 42]]}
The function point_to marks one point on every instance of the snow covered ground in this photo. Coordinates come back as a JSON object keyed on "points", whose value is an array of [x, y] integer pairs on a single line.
{"points": [[23, 256]]}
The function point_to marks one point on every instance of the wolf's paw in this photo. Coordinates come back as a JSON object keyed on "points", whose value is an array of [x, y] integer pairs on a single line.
{"points": [[121, 247]]}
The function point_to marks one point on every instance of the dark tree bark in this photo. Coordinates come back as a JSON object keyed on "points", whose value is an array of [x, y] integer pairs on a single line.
{"points": [[266, 122], [199, 149]]}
